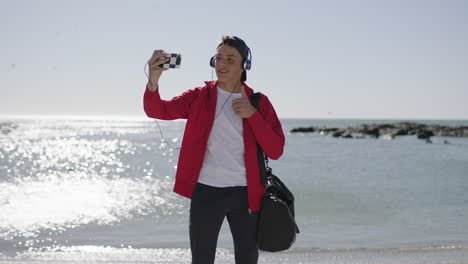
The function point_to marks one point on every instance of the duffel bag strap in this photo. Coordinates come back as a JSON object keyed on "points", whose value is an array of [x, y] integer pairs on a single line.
{"points": [[262, 158]]}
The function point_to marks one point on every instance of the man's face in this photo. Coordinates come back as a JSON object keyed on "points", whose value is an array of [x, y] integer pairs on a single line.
{"points": [[228, 64]]}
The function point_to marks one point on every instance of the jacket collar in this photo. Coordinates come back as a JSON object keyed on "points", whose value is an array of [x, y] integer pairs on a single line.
{"points": [[213, 90]]}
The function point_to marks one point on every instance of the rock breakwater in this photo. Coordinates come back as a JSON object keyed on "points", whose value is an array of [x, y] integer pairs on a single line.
{"points": [[388, 131]]}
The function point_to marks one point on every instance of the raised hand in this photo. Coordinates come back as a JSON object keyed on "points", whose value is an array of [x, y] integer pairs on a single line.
{"points": [[242, 106], [155, 70]]}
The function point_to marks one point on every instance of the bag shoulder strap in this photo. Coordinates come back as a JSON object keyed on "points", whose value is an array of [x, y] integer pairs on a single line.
{"points": [[262, 158], [255, 99]]}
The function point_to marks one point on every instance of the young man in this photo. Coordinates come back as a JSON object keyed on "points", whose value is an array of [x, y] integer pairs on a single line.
{"points": [[218, 165]]}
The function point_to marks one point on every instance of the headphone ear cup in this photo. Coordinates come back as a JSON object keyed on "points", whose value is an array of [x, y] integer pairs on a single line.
{"points": [[247, 64], [212, 61]]}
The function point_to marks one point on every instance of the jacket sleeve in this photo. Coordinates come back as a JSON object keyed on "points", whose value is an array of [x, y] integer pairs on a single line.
{"points": [[267, 129], [176, 108]]}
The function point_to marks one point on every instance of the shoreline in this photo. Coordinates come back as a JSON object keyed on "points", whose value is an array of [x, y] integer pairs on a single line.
{"points": [[104, 254]]}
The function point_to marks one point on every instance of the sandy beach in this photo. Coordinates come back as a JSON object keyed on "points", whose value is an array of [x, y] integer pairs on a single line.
{"points": [[100, 254]]}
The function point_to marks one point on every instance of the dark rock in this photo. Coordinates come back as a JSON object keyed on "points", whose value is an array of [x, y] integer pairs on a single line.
{"points": [[424, 134], [338, 133], [375, 132], [401, 132], [303, 129], [386, 126]]}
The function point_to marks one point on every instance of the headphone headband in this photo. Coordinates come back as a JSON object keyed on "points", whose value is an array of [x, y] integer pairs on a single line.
{"points": [[241, 47]]}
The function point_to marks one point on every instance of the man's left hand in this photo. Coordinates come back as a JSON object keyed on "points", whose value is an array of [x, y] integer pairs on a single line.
{"points": [[242, 106]]}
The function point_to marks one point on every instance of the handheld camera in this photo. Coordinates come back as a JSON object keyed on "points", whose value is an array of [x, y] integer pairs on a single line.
{"points": [[173, 63]]}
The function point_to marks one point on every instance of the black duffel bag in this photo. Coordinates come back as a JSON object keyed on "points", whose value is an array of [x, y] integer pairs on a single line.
{"points": [[276, 229]]}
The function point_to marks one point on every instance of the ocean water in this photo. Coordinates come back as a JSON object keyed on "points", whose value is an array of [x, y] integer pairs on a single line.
{"points": [[100, 190]]}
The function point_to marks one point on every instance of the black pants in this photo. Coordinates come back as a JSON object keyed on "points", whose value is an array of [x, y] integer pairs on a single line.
{"points": [[208, 207]]}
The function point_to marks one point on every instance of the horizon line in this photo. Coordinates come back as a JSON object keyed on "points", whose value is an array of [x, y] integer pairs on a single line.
{"points": [[145, 118]]}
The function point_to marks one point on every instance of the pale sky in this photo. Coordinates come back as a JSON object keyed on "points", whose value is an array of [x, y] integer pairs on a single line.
{"points": [[397, 59]]}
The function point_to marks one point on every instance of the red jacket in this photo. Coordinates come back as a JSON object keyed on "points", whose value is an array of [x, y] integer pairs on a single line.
{"points": [[198, 106]]}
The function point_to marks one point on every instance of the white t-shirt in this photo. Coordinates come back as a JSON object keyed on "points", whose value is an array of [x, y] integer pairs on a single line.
{"points": [[224, 164]]}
